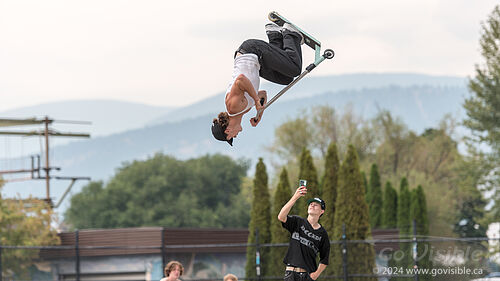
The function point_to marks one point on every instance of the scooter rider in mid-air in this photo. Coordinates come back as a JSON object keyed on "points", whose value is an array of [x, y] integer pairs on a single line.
{"points": [[278, 61]]}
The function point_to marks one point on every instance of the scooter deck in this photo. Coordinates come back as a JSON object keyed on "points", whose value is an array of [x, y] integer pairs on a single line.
{"points": [[280, 20]]}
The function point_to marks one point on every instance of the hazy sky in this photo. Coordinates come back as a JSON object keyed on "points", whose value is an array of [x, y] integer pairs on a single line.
{"points": [[178, 52]]}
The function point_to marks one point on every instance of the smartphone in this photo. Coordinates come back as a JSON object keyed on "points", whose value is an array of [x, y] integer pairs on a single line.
{"points": [[302, 182]]}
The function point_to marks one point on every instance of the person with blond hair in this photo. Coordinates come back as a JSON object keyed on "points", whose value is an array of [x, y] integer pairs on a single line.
{"points": [[230, 277], [172, 271]]}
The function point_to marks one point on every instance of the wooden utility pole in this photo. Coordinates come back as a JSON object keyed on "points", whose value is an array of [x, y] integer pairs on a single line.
{"points": [[45, 133], [47, 167]]}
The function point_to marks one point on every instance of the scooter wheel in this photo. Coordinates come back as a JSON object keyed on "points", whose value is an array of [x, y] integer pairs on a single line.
{"points": [[329, 54], [272, 17]]}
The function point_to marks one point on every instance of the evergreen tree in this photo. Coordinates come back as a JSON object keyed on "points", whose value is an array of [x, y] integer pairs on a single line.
{"points": [[390, 207], [351, 209], [483, 106], [365, 184], [259, 219], [375, 200], [390, 216], [418, 213], [404, 222], [470, 210], [330, 185], [278, 233], [307, 172]]}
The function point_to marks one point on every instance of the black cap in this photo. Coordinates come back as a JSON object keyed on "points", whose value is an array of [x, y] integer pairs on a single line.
{"points": [[219, 133], [318, 200]]}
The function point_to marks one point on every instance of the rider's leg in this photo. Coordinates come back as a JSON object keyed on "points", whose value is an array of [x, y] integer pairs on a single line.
{"points": [[278, 65], [292, 46], [273, 32], [276, 39], [289, 53]]}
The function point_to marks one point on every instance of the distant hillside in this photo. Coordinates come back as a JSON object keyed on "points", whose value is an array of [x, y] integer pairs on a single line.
{"points": [[419, 106], [311, 86], [107, 117]]}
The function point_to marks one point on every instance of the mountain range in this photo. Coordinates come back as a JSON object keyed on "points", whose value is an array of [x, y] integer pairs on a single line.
{"points": [[419, 100]]}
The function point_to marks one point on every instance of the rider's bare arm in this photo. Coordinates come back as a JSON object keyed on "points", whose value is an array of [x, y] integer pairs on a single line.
{"points": [[262, 95], [301, 191], [244, 84]]}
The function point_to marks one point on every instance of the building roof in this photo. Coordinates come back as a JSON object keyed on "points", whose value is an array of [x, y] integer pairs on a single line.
{"points": [[148, 240]]}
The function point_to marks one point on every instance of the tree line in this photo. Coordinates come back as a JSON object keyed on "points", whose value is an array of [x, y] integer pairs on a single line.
{"points": [[430, 159], [164, 191]]}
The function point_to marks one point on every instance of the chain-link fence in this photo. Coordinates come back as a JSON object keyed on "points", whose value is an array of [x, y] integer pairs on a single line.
{"points": [[391, 258]]}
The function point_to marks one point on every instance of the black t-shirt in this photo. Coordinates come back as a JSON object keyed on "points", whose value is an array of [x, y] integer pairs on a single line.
{"points": [[305, 244]]}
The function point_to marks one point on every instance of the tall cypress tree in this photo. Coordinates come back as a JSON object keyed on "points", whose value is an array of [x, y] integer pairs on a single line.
{"points": [[365, 184], [375, 200], [404, 222], [418, 212], [390, 216], [330, 182], [351, 209], [390, 207], [330, 185], [307, 172], [259, 219], [278, 233]]}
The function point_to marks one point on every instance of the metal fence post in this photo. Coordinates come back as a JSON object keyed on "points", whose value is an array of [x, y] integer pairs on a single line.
{"points": [[257, 253], [77, 252], [163, 257], [344, 252], [415, 247]]}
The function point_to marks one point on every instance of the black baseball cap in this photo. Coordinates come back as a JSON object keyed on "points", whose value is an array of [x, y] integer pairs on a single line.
{"points": [[318, 200], [219, 133]]}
